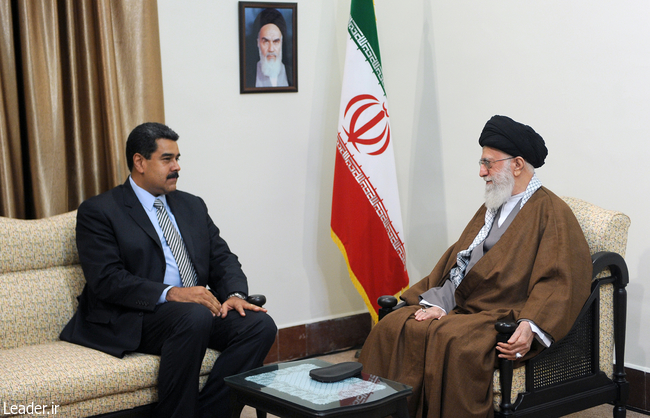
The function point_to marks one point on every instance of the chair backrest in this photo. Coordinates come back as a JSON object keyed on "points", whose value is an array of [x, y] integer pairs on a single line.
{"points": [[40, 278], [605, 230]]}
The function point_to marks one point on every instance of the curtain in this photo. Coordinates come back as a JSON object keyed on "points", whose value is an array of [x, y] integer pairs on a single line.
{"points": [[75, 77]]}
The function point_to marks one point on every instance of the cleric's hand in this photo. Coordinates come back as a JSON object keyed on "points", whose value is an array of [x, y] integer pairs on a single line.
{"points": [[430, 312], [519, 342]]}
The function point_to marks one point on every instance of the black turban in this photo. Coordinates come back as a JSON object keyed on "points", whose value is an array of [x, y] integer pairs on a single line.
{"points": [[267, 16], [515, 139]]}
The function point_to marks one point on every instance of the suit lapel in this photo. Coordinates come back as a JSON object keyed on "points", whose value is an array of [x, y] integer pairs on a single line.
{"points": [[137, 213]]}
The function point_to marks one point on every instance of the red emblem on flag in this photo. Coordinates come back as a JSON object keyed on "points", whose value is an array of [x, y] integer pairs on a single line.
{"points": [[367, 124]]}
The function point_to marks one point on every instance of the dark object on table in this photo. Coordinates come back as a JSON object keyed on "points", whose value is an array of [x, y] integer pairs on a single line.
{"points": [[336, 372]]}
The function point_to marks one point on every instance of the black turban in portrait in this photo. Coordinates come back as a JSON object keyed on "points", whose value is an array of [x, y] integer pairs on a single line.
{"points": [[267, 16], [515, 139]]}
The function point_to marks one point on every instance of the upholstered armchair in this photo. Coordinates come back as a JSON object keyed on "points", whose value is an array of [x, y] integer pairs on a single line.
{"points": [[585, 368]]}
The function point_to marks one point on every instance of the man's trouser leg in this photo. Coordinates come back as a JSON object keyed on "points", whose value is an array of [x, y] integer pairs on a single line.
{"points": [[179, 333], [244, 342]]}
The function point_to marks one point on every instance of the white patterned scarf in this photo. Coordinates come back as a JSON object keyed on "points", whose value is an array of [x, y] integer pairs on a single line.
{"points": [[457, 273]]}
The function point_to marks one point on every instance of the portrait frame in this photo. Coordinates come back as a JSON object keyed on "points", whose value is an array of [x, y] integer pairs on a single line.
{"points": [[250, 67]]}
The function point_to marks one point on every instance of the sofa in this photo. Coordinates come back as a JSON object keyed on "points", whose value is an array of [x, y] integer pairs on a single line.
{"points": [[40, 278]]}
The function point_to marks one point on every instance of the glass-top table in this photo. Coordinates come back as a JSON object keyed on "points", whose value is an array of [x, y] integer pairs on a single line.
{"points": [[286, 390]]}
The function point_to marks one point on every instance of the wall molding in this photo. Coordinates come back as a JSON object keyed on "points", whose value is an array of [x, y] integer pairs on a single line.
{"points": [[639, 399], [319, 338]]}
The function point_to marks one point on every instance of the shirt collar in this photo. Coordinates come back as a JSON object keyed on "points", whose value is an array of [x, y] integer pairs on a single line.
{"points": [[146, 199], [510, 204]]}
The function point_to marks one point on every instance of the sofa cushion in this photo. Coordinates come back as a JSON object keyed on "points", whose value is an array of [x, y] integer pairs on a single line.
{"points": [[61, 373], [38, 244], [40, 278], [37, 304]]}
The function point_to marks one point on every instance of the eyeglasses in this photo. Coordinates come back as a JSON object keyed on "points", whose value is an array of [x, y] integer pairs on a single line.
{"points": [[488, 164]]}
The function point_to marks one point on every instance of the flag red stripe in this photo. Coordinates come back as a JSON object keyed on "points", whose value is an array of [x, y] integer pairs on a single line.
{"points": [[371, 256]]}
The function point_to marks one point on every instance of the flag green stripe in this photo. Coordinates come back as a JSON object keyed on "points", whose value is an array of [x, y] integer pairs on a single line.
{"points": [[363, 13], [364, 33]]}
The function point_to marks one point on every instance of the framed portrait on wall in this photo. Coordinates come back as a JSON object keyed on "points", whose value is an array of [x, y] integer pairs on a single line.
{"points": [[268, 47]]}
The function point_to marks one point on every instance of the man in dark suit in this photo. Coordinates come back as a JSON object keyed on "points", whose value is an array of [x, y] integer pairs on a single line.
{"points": [[147, 264]]}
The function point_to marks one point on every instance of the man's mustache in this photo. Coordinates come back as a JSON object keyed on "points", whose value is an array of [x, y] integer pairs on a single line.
{"points": [[173, 175]]}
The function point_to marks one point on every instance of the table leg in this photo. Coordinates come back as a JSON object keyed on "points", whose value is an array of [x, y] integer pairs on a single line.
{"points": [[235, 406], [260, 414], [402, 409]]}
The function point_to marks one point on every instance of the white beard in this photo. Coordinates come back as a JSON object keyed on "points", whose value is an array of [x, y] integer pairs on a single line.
{"points": [[271, 68], [498, 193]]}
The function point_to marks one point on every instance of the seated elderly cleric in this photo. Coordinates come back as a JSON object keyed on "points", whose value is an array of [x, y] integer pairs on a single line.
{"points": [[522, 257]]}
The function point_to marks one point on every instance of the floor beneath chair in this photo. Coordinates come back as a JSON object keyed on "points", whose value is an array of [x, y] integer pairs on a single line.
{"points": [[604, 411]]}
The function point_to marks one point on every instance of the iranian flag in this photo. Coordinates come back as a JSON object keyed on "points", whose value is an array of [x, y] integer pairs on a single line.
{"points": [[366, 216]]}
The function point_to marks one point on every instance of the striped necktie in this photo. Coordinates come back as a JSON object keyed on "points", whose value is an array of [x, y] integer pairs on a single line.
{"points": [[175, 242]]}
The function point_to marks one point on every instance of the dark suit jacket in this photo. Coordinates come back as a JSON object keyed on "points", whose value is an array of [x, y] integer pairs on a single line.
{"points": [[124, 265]]}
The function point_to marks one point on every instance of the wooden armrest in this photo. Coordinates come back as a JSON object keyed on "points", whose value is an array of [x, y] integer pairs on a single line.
{"points": [[505, 329], [258, 300], [388, 304]]}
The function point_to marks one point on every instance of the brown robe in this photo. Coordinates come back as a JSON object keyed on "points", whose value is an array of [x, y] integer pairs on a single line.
{"points": [[540, 270]]}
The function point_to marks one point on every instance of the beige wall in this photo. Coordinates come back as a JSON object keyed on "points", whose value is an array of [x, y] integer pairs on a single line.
{"points": [[578, 72]]}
